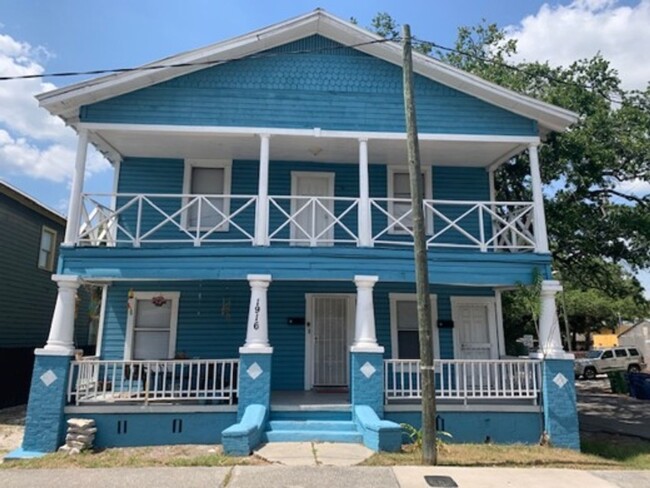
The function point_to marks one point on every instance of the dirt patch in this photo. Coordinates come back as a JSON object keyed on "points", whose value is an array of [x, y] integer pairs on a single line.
{"points": [[12, 425]]}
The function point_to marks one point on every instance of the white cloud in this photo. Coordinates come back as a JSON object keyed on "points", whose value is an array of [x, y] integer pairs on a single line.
{"points": [[562, 34], [32, 142], [637, 187]]}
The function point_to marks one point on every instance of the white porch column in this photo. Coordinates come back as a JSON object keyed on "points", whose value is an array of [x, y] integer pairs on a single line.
{"points": [[74, 209], [539, 217], [257, 333], [60, 342], [550, 340], [262, 214], [365, 337], [365, 224]]}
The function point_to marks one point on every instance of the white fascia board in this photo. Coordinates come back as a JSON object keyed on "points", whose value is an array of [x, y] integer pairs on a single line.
{"points": [[316, 132], [68, 100]]}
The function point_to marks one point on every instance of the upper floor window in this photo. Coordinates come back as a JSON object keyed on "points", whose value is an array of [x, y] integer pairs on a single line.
{"points": [[209, 178], [399, 188], [47, 249]]}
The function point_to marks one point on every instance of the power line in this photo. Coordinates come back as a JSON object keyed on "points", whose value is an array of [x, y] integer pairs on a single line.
{"points": [[216, 62], [518, 69]]}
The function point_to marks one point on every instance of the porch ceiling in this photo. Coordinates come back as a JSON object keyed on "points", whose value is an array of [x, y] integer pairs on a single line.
{"points": [[472, 151]]}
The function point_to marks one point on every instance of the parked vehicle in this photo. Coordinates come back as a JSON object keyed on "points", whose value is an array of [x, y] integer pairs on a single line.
{"points": [[609, 359]]}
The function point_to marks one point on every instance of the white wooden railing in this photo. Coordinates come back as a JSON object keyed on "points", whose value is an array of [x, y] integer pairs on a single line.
{"points": [[138, 219], [465, 380], [101, 381]]}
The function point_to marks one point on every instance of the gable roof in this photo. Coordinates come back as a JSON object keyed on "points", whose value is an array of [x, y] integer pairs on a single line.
{"points": [[66, 102], [31, 202]]}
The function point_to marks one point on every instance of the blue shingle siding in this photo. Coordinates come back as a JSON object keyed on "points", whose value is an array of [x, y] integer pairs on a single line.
{"points": [[332, 88], [212, 318]]}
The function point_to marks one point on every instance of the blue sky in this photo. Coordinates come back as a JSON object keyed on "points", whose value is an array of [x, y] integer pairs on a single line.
{"points": [[36, 153]]}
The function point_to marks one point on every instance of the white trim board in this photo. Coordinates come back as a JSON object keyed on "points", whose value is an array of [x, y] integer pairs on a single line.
{"points": [[393, 298], [416, 407], [108, 409], [65, 102]]}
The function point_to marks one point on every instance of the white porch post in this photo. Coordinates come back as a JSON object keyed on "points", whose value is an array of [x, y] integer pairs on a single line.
{"points": [[550, 340], [365, 223], [74, 210], [365, 337], [262, 214], [60, 341], [539, 217], [257, 333]]}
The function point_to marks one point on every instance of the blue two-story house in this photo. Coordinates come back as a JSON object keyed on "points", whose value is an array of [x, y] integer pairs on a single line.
{"points": [[256, 252]]}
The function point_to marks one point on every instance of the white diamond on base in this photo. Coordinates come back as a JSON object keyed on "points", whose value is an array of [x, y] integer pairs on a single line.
{"points": [[254, 371], [368, 369], [560, 380], [48, 377]]}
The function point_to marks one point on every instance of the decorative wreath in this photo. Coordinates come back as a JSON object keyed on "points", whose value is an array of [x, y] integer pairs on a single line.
{"points": [[159, 300]]}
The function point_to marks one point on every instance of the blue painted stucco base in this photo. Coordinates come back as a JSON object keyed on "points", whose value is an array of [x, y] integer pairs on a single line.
{"points": [[20, 453], [152, 429], [240, 439], [479, 427], [45, 424], [560, 408], [378, 435], [254, 389], [367, 389]]}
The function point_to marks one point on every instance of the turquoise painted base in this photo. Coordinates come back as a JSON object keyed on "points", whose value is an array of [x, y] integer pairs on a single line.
{"points": [[240, 439], [254, 381], [367, 386], [560, 408], [20, 453], [45, 425]]}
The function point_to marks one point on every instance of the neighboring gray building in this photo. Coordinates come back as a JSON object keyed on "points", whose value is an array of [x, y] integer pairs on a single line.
{"points": [[29, 246], [638, 336]]}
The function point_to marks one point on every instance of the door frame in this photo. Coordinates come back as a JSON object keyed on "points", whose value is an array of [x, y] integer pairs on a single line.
{"points": [[295, 175], [457, 301], [309, 336]]}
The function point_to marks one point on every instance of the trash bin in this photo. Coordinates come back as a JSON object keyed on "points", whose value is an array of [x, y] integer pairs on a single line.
{"points": [[618, 382], [639, 385]]}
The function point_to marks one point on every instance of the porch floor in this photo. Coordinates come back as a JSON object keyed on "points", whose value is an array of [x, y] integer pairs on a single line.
{"points": [[310, 400]]}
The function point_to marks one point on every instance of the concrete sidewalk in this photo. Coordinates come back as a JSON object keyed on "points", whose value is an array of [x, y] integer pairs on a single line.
{"points": [[319, 477]]}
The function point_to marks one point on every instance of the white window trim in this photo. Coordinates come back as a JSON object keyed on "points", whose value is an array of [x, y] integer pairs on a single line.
{"points": [[428, 195], [330, 203], [174, 296], [309, 336], [226, 164], [393, 299], [492, 321], [49, 266]]}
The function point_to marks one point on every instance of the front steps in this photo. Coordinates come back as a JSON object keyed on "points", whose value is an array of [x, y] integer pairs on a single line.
{"points": [[313, 431]]}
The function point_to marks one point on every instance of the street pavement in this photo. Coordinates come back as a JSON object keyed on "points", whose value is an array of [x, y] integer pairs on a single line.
{"points": [[601, 411], [319, 477]]}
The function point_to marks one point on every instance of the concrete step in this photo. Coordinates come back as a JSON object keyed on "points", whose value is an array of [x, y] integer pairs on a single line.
{"points": [[313, 436], [313, 425], [323, 415]]}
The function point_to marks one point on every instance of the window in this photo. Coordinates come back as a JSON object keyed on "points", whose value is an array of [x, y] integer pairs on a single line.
{"points": [[152, 325], [620, 353], [47, 249], [207, 177], [633, 352], [399, 187], [607, 355], [404, 326]]}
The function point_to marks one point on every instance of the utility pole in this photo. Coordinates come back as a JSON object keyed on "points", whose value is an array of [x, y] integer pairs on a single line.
{"points": [[425, 329]]}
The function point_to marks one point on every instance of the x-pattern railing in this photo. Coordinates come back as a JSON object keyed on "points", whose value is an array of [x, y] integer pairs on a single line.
{"points": [[313, 220]]}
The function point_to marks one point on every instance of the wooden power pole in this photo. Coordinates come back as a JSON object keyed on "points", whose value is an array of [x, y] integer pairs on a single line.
{"points": [[429, 451]]}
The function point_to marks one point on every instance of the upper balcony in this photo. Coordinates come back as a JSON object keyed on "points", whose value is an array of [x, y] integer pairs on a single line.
{"points": [[140, 220]]}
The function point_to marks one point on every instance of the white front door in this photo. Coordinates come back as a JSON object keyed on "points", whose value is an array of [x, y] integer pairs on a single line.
{"points": [[329, 328], [475, 326], [312, 216]]}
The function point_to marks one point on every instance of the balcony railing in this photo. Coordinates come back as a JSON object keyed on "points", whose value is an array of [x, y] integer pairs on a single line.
{"points": [[465, 380], [95, 381], [139, 220]]}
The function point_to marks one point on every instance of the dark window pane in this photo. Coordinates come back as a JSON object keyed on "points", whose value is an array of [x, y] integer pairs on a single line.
{"points": [[408, 344], [607, 355]]}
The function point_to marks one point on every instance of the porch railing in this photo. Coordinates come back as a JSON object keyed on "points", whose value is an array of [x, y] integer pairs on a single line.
{"points": [[102, 381], [137, 219], [465, 380]]}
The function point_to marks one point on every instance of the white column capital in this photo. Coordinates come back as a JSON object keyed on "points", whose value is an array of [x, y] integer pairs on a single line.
{"points": [[363, 139], [363, 281], [532, 145], [259, 280], [67, 281], [264, 135], [551, 287]]}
